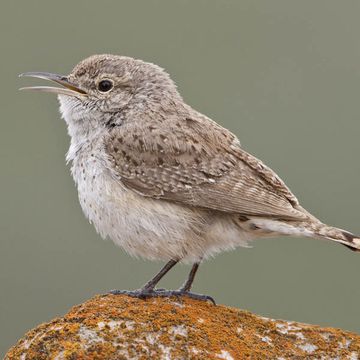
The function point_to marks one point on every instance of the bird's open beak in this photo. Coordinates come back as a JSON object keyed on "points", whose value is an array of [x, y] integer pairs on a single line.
{"points": [[69, 88]]}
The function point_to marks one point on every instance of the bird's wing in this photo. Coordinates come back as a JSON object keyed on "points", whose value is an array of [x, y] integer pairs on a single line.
{"points": [[197, 163]]}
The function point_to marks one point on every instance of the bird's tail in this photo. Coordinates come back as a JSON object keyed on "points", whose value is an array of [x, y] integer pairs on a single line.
{"points": [[343, 237], [312, 229]]}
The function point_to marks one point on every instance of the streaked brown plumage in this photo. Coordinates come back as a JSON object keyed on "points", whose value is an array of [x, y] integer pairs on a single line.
{"points": [[162, 180], [200, 168]]}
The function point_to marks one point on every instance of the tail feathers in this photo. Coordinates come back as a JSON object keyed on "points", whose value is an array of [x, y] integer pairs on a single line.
{"points": [[346, 238], [352, 248], [353, 241], [313, 229]]}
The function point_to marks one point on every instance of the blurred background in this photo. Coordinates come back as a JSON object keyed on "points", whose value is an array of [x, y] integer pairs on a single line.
{"points": [[284, 75]]}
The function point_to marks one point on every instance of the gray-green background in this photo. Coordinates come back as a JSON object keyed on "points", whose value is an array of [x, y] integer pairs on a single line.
{"points": [[284, 75]]}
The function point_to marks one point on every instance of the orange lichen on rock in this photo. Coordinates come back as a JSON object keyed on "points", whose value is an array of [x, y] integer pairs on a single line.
{"points": [[120, 327]]}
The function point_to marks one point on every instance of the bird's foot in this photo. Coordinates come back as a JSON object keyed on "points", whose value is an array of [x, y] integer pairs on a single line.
{"points": [[139, 293], [148, 293], [178, 293]]}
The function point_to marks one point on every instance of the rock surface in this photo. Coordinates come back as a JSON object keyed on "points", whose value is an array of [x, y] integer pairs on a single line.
{"points": [[119, 327]]}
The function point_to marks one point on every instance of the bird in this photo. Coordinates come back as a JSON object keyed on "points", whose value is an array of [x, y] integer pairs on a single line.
{"points": [[162, 180]]}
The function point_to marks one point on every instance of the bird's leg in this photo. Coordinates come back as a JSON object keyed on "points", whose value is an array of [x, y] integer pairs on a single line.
{"points": [[148, 289], [188, 283], [150, 285], [185, 288]]}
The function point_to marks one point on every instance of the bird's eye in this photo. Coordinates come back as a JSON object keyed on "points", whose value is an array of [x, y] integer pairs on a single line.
{"points": [[105, 85]]}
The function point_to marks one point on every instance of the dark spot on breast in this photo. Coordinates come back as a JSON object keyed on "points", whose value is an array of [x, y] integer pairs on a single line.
{"points": [[162, 137], [120, 140], [160, 161], [160, 148], [135, 136], [141, 143], [110, 124], [116, 149]]}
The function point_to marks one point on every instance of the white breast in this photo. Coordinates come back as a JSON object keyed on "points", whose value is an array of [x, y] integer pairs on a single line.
{"points": [[149, 228], [144, 227]]}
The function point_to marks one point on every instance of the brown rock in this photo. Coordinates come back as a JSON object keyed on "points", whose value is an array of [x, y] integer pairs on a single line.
{"points": [[119, 327]]}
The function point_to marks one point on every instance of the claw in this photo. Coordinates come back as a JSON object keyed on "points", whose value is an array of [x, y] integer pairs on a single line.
{"points": [[189, 294], [140, 293], [144, 293]]}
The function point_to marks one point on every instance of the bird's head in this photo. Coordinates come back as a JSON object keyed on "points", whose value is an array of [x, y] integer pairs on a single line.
{"points": [[101, 88]]}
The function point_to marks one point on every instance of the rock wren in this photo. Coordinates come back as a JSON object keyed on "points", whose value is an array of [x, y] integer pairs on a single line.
{"points": [[162, 180]]}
